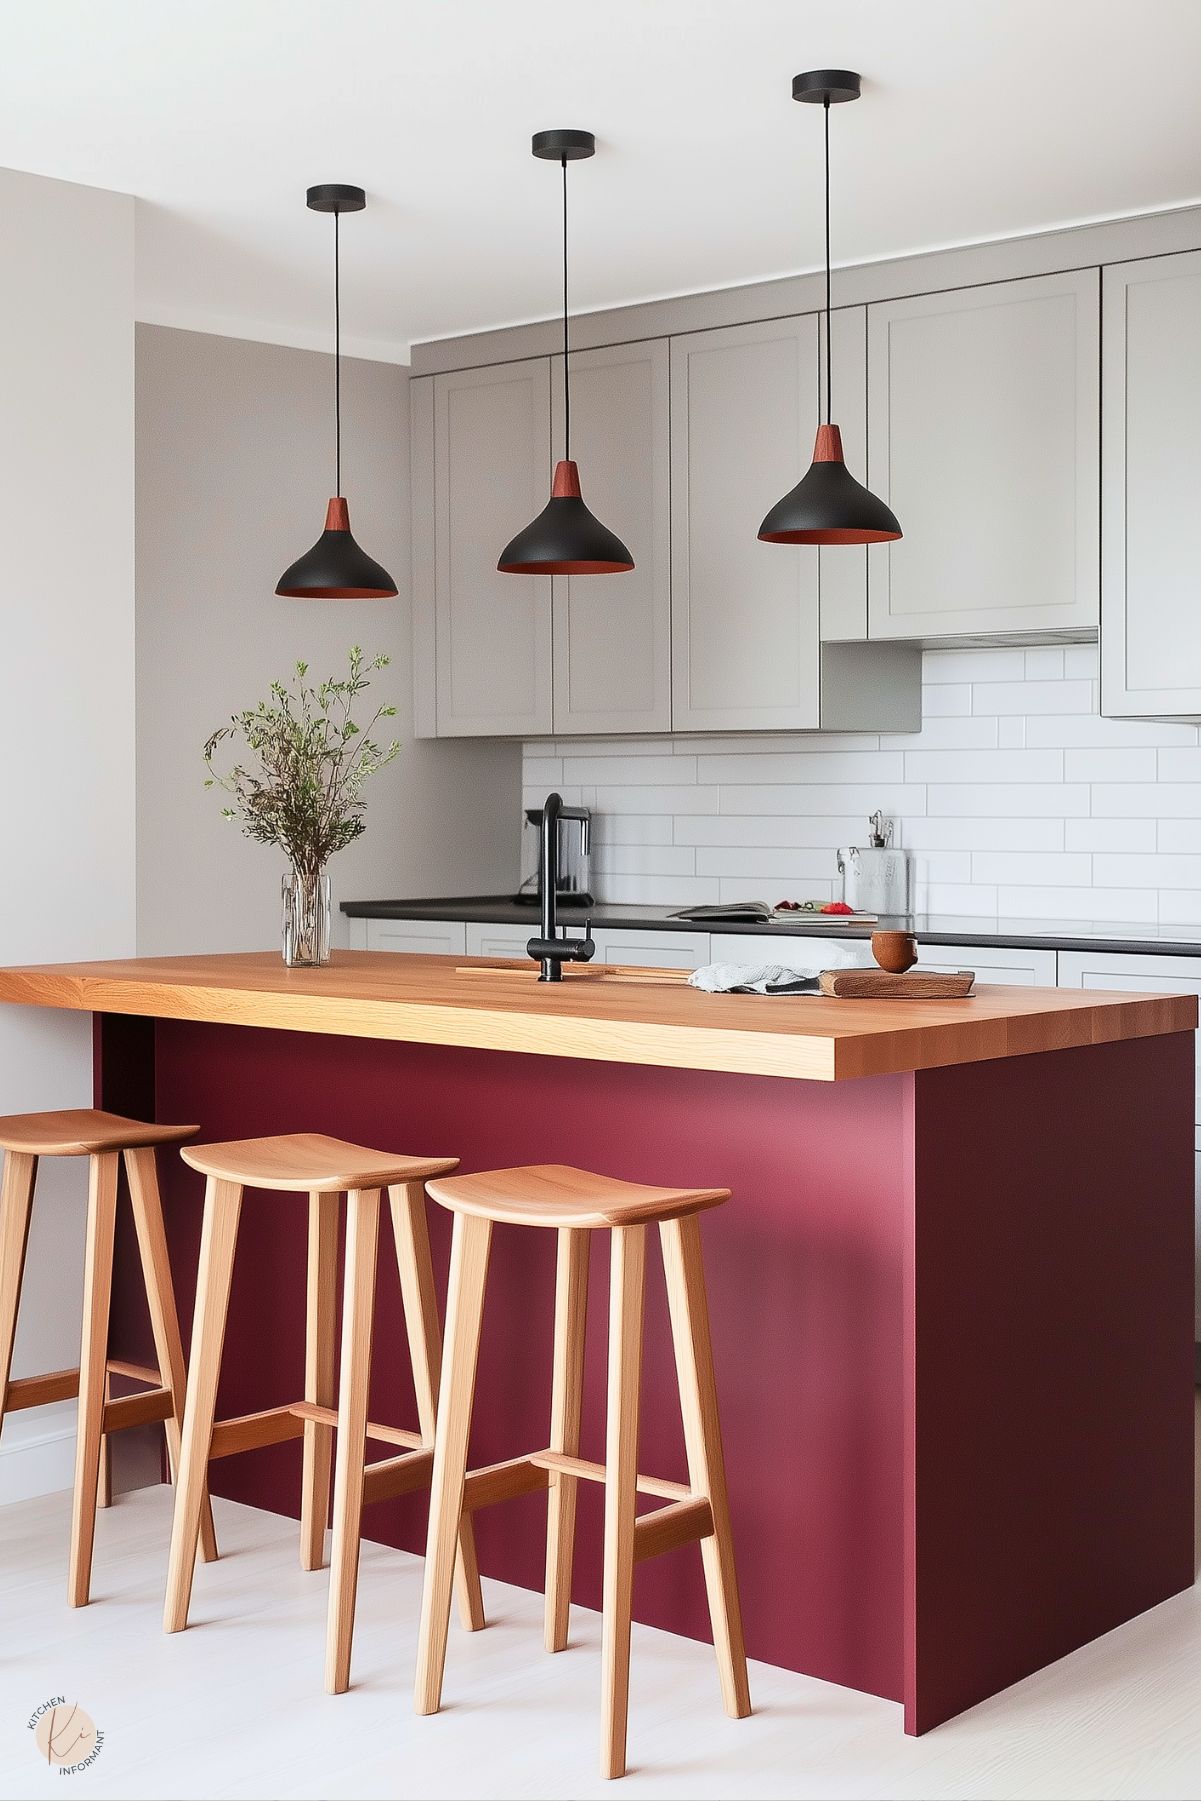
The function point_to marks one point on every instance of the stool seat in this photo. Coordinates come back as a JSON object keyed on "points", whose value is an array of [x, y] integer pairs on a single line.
{"points": [[310, 1163], [555, 1195], [83, 1132]]}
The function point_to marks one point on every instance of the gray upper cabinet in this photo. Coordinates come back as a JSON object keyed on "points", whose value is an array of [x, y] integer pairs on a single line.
{"points": [[492, 470], [747, 617], [744, 614], [983, 437], [1151, 461], [612, 633]]}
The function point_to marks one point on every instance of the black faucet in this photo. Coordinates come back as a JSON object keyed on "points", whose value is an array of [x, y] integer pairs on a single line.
{"points": [[548, 948]]}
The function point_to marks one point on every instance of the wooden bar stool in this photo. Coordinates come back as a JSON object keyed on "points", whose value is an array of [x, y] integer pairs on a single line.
{"points": [[102, 1138], [575, 1203], [323, 1168]]}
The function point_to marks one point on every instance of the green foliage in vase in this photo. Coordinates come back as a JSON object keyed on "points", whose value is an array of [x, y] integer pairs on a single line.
{"points": [[304, 789]]}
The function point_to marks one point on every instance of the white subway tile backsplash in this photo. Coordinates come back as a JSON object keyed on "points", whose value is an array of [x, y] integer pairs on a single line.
{"points": [[983, 766], [1027, 698], [1172, 800], [609, 771], [737, 888], [1180, 908], [1015, 797], [954, 733], [803, 768], [897, 798], [644, 859], [661, 890], [974, 666], [1130, 905], [1111, 765], [781, 864], [941, 700], [1050, 869], [975, 899], [763, 829], [1082, 659], [1112, 835], [970, 834], [1160, 870], [633, 828], [1177, 834], [670, 800], [1179, 765], [1087, 731]]}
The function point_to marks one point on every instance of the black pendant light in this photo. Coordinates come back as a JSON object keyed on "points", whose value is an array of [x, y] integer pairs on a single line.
{"points": [[828, 506], [565, 538], [335, 568]]}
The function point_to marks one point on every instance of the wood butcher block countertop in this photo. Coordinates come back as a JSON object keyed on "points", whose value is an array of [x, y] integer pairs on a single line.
{"points": [[664, 1023]]}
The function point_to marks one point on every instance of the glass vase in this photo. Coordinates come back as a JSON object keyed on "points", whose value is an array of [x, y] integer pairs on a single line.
{"points": [[306, 898]]}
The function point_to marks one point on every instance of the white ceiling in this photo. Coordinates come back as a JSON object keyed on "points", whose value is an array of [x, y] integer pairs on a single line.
{"points": [[980, 118]]}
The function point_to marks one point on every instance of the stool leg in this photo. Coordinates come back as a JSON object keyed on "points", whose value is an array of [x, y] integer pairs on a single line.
{"points": [[358, 1313], [464, 1317], [621, 1487], [93, 1369], [410, 1229], [567, 1396], [222, 1207], [104, 1479], [16, 1201], [142, 1173], [681, 1239], [320, 1375]]}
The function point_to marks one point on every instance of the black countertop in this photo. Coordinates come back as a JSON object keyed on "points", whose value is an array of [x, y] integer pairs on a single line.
{"points": [[931, 928]]}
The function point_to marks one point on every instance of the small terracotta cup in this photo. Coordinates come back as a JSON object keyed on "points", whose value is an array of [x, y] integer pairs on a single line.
{"points": [[894, 951]]}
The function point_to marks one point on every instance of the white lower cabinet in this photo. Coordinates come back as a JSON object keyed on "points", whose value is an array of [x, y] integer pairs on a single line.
{"points": [[809, 950], [656, 950], [501, 940], [994, 963], [426, 937]]}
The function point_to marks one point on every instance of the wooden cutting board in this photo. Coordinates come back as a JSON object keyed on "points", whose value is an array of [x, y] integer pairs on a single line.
{"points": [[879, 985]]}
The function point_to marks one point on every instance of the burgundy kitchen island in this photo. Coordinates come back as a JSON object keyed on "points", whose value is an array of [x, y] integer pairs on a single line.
{"points": [[952, 1295]]}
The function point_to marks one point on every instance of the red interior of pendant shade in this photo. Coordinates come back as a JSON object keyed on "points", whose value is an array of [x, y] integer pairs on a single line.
{"points": [[830, 535], [565, 568]]}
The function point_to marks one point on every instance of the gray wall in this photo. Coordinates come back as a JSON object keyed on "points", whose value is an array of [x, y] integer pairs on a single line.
{"points": [[234, 467], [66, 658]]}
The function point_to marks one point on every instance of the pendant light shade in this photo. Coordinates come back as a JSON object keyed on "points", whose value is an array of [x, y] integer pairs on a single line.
{"points": [[828, 506], [336, 568], [565, 538]]}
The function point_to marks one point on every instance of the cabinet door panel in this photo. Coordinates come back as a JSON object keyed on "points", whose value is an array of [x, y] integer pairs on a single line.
{"points": [[428, 937], [983, 436], [1151, 460], [612, 633], [744, 614], [994, 964], [491, 476], [655, 950], [501, 940]]}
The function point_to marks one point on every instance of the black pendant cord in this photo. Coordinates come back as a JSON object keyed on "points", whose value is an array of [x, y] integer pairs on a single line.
{"points": [[829, 359], [337, 361], [566, 369]]}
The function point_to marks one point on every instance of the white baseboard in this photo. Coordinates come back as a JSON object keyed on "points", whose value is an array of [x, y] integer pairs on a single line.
{"points": [[37, 1452]]}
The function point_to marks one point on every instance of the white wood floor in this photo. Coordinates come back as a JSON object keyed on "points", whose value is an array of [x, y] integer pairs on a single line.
{"points": [[235, 1707]]}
